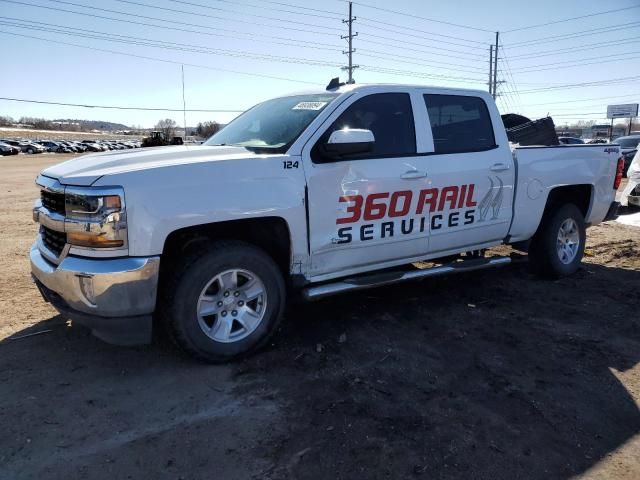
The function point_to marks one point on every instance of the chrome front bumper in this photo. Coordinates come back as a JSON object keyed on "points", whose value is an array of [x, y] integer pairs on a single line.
{"points": [[101, 293]]}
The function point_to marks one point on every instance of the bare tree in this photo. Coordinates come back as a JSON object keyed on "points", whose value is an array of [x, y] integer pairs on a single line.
{"points": [[168, 127], [207, 129]]}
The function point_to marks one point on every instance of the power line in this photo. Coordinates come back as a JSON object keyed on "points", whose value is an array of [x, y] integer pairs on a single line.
{"points": [[419, 36], [184, 47], [596, 83], [169, 21], [588, 46], [510, 74], [247, 4], [577, 63], [284, 4], [584, 100], [145, 57], [178, 29], [469, 58], [569, 36], [413, 15], [555, 22], [339, 15], [209, 7], [419, 61], [173, 20], [412, 73], [114, 107], [366, 21]]}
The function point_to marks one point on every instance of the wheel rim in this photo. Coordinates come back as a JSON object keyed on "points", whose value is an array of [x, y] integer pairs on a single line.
{"points": [[568, 241], [232, 305]]}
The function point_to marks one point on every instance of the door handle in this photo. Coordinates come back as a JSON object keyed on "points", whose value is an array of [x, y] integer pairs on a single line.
{"points": [[499, 167], [411, 174]]}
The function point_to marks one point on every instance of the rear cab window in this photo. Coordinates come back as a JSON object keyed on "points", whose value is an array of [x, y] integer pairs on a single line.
{"points": [[459, 123]]}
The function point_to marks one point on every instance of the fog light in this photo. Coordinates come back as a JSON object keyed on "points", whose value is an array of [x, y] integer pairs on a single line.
{"points": [[86, 287]]}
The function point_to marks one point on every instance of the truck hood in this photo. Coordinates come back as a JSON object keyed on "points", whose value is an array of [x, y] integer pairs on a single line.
{"points": [[85, 170]]}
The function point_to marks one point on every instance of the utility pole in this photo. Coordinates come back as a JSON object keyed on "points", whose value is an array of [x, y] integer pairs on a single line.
{"points": [[491, 69], [184, 106], [350, 38], [495, 66]]}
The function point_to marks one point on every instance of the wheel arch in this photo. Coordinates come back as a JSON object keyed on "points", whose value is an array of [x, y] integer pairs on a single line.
{"points": [[272, 234], [580, 195]]}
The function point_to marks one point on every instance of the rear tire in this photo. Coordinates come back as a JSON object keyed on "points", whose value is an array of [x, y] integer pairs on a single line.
{"points": [[557, 248], [223, 302]]}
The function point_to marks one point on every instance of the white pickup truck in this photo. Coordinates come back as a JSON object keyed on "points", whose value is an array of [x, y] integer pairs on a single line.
{"points": [[319, 193]]}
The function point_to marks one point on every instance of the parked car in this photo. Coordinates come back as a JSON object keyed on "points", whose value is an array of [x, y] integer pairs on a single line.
{"points": [[73, 147], [570, 141], [6, 149], [627, 143], [80, 147], [26, 146], [93, 147], [323, 193], [56, 147], [32, 147], [628, 158], [631, 193]]}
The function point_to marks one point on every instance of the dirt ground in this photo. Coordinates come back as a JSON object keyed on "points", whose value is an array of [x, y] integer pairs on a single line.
{"points": [[487, 375]]}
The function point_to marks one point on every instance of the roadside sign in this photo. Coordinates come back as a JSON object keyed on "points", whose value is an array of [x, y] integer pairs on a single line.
{"points": [[622, 111]]}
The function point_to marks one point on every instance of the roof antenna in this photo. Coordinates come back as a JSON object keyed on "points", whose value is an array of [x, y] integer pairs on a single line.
{"points": [[335, 83]]}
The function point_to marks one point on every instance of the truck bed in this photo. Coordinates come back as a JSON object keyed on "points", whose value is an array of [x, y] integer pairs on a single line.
{"points": [[541, 168]]}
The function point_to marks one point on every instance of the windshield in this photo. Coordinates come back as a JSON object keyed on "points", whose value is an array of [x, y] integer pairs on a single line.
{"points": [[628, 142], [274, 125]]}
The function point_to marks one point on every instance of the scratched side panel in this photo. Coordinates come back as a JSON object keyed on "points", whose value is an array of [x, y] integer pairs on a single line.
{"points": [[370, 241]]}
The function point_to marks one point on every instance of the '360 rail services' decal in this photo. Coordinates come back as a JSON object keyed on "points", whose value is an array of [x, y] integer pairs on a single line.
{"points": [[392, 214], [386, 215]]}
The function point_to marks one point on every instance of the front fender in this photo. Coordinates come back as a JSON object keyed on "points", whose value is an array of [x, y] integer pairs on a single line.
{"points": [[162, 200]]}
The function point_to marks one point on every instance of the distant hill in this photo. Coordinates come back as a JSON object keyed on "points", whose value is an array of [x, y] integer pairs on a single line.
{"points": [[91, 124]]}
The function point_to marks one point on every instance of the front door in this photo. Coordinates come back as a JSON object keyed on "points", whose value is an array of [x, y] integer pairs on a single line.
{"points": [[362, 210]]}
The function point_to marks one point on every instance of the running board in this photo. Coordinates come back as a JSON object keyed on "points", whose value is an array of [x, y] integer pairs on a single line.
{"points": [[389, 278]]}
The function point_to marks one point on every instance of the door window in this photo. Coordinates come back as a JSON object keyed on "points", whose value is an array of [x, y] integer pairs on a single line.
{"points": [[388, 115], [459, 124]]}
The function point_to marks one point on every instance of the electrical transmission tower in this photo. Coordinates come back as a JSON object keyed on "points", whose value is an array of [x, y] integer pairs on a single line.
{"points": [[351, 67]]}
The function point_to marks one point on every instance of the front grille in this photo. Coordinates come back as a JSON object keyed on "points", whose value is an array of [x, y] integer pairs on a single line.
{"points": [[52, 201], [53, 240]]}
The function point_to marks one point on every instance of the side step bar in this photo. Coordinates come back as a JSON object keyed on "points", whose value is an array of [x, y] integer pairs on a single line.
{"points": [[388, 278]]}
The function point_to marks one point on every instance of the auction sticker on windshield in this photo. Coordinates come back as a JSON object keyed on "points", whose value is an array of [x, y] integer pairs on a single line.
{"points": [[309, 106]]}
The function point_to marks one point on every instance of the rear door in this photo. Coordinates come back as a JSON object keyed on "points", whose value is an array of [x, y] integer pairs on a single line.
{"points": [[471, 177]]}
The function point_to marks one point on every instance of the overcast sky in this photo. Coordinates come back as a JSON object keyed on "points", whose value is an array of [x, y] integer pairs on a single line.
{"points": [[251, 50]]}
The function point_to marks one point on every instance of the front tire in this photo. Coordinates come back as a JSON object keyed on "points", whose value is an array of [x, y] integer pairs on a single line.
{"points": [[223, 302], [557, 248]]}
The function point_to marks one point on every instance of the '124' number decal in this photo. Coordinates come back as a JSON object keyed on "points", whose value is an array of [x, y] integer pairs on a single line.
{"points": [[289, 164]]}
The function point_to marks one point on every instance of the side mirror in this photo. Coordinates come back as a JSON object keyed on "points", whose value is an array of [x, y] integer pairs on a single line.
{"points": [[352, 141]]}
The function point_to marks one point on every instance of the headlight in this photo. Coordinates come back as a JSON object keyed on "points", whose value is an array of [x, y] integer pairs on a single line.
{"points": [[95, 218]]}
